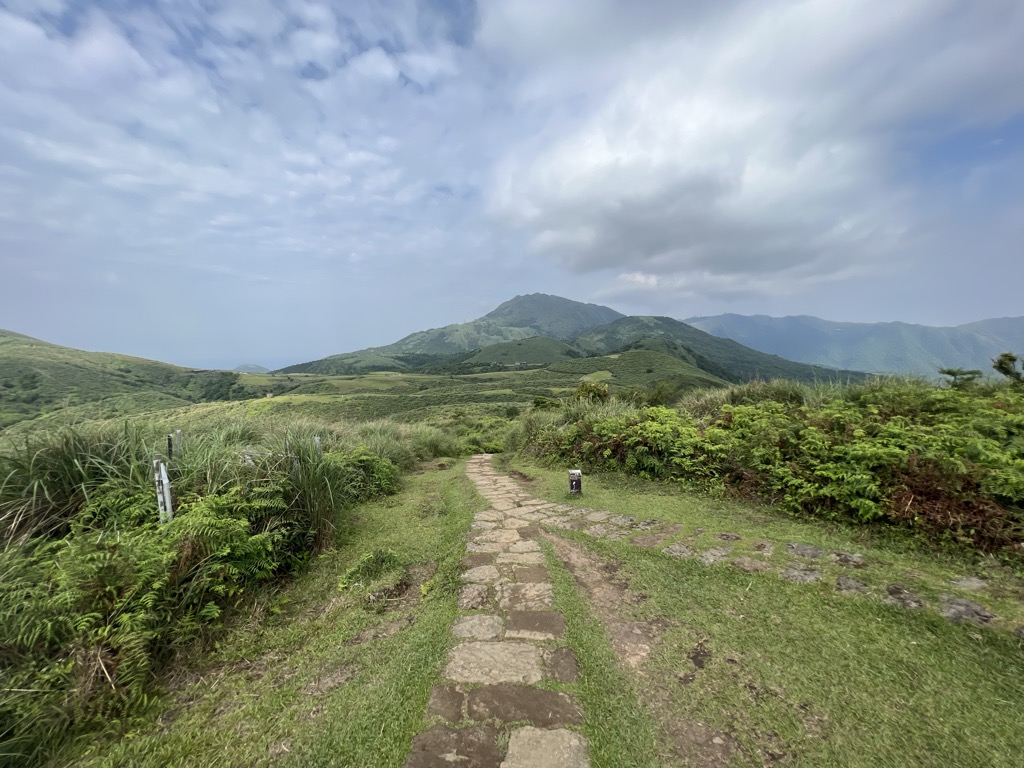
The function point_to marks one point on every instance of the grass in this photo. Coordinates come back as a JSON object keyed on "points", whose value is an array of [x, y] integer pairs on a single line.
{"points": [[828, 679], [317, 676], [620, 734]]}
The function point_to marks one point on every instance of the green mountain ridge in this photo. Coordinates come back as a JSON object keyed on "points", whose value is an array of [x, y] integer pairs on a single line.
{"points": [[891, 347]]}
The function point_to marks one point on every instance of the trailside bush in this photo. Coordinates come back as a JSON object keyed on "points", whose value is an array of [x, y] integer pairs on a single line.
{"points": [[96, 594], [948, 462]]}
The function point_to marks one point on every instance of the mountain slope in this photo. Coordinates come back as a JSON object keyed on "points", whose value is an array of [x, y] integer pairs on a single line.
{"points": [[36, 376], [720, 357], [523, 317], [875, 347]]}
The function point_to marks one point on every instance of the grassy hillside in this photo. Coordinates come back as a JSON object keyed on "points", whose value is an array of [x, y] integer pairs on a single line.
{"points": [[639, 368], [723, 358], [539, 350], [36, 377], [875, 347]]}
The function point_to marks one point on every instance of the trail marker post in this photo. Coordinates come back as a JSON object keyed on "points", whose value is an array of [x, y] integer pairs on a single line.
{"points": [[575, 481]]}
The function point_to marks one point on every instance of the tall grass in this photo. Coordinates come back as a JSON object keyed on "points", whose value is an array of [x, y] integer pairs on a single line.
{"points": [[96, 593]]}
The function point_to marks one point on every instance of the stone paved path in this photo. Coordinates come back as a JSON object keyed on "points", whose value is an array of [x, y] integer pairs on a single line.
{"points": [[506, 644]]}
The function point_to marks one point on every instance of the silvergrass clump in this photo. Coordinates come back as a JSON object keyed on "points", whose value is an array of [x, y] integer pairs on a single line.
{"points": [[96, 594]]}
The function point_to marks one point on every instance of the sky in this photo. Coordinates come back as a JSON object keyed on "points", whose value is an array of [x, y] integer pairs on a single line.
{"points": [[217, 182]]}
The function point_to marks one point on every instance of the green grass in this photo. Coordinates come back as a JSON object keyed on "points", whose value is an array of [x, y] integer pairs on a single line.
{"points": [[299, 682], [829, 679], [620, 734]]}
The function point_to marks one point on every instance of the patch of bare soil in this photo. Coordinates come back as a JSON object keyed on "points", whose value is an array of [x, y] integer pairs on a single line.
{"points": [[522, 478], [691, 742]]}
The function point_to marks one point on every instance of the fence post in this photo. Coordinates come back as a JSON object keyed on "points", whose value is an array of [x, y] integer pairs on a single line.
{"points": [[160, 500], [177, 441], [166, 482]]}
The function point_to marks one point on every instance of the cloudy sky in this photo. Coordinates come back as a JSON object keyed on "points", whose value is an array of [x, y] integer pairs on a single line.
{"points": [[211, 182]]}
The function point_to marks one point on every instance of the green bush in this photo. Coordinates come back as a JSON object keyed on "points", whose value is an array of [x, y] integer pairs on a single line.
{"points": [[96, 595], [945, 461]]}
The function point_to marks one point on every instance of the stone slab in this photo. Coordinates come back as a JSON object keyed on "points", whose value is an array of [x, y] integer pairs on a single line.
{"points": [[479, 558], [475, 747], [530, 573], [482, 574], [521, 703], [499, 536], [446, 702], [472, 596], [524, 546], [521, 558], [561, 666], [480, 626], [714, 555], [530, 747], [489, 663], [534, 625], [525, 596]]}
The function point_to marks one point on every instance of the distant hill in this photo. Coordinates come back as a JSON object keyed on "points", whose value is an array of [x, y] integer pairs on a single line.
{"points": [[523, 317], [723, 358], [36, 377], [874, 347], [252, 368], [541, 330]]}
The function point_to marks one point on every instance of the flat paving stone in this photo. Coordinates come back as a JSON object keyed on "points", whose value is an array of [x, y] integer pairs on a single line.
{"points": [[534, 625], [446, 702], [520, 703], [530, 747], [597, 517], [477, 547], [525, 596], [524, 546], [848, 585], [505, 662], [472, 596], [480, 626], [474, 560], [482, 574], [521, 558], [516, 522], [799, 573], [729, 537], [601, 531], [764, 547], [958, 609], [561, 666], [714, 555], [500, 536], [475, 747], [849, 559], [678, 550], [530, 573], [490, 515], [903, 597]]}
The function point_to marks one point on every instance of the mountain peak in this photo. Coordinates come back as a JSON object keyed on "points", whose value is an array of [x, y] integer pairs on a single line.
{"points": [[551, 315]]}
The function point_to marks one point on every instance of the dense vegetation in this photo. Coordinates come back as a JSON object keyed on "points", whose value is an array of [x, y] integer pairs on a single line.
{"points": [[96, 595], [948, 462]]}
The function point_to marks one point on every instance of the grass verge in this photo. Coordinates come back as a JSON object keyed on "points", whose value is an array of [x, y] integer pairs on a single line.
{"points": [[319, 676], [801, 672]]}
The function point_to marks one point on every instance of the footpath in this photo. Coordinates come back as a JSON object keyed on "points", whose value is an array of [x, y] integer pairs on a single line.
{"points": [[505, 647]]}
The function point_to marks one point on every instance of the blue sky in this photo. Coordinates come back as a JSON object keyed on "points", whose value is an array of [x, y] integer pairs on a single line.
{"points": [[211, 183]]}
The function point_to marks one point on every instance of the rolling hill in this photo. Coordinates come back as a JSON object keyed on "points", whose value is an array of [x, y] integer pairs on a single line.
{"points": [[37, 377], [875, 347], [722, 358]]}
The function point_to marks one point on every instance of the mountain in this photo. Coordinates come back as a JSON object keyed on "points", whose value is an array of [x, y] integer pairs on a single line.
{"points": [[876, 347], [719, 357], [251, 368], [523, 317], [36, 377]]}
